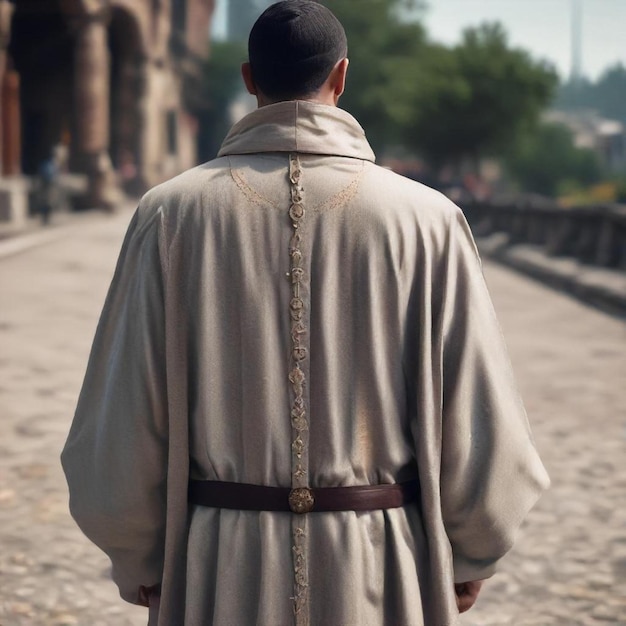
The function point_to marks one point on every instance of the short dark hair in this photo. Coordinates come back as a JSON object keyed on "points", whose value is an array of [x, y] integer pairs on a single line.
{"points": [[293, 47]]}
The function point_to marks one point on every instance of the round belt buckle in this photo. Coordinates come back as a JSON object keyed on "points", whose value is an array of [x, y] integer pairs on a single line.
{"points": [[301, 500]]}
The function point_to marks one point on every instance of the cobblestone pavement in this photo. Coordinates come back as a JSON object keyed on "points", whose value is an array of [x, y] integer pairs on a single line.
{"points": [[569, 565], [568, 568]]}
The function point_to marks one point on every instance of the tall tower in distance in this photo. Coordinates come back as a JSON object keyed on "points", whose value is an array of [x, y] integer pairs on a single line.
{"points": [[577, 41]]}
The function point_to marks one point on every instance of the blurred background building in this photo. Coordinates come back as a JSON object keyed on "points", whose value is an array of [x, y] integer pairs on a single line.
{"points": [[111, 86], [241, 15], [505, 98], [591, 131]]}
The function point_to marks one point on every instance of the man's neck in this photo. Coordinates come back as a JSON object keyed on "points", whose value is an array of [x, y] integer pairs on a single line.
{"points": [[327, 99]]}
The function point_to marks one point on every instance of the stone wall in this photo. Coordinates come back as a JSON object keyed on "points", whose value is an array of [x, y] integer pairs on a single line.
{"points": [[109, 80], [580, 251], [594, 235]]}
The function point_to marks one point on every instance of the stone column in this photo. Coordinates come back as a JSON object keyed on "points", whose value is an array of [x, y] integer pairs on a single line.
{"points": [[91, 80], [153, 101], [10, 124], [6, 12], [145, 129]]}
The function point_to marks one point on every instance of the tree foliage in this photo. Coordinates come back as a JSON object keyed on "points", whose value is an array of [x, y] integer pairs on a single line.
{"points": [[547, 161], [221, 84], [447, 104], [385, 46], [477, 98], [607, 95]]}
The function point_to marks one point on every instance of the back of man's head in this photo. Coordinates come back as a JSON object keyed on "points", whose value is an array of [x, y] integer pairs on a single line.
{"points": [[293, 48]]}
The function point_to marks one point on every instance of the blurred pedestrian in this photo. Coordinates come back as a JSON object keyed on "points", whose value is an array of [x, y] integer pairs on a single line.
{"points": [[47, 192], [128, 171], [298, 407]]}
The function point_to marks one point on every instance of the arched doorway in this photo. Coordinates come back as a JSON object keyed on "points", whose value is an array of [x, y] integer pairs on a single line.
{"points": [[126, 90], [41, 48]]}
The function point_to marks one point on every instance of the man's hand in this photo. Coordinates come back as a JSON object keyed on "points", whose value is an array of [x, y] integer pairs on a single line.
{"points": [[150, 596], [466, 594]]}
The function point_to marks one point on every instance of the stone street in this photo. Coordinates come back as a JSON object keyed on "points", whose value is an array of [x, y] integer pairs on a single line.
{"points": [[567, 569]]}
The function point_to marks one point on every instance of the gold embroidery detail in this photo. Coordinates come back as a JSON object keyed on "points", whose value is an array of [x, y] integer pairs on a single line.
{"points": [[345, 195], [296, 213], [298, 447], [299, 424], [297, 309], [300, 472], [252, 195], [299, 354], [297, 330], [301, 584], [296, 376], [297, 275], [301, 498]]}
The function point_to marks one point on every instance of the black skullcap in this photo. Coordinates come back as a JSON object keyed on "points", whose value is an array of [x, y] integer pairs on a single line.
{"points": [[293, 47]]}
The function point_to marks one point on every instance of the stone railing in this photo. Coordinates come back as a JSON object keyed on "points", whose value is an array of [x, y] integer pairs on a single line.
{"points": [[14, 202], [594, 235]]}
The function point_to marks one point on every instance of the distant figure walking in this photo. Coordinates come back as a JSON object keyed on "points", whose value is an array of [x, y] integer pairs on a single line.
{"points": [[48, 188]]}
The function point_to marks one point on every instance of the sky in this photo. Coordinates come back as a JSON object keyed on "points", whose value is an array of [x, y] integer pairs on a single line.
{"points": [[218, 25], [543, 27]]}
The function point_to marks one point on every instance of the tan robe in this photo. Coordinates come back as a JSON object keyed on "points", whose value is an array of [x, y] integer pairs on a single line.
{"points": [[404, 374]]}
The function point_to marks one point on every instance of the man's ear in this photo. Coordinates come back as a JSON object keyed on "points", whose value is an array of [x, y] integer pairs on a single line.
{"points": [[338, 75], [246, 73]]}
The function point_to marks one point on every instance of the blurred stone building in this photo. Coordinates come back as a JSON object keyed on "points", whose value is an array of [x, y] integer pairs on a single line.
{"points": [[114, 83], [606, 137]]}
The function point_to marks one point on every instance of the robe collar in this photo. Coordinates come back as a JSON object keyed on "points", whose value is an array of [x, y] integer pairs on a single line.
{"points": [[298, 126]]}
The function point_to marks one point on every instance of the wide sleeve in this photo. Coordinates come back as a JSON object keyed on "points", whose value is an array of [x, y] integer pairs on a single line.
{"points": [[115, 458], [491, 474]]}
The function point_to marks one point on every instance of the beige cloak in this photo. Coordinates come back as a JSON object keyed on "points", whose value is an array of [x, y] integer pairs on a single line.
{"points": [[404, 374]]}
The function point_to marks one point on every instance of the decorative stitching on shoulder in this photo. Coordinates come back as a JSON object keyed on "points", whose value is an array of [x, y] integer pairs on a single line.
{"points": [[344, 196], [249, 192]]}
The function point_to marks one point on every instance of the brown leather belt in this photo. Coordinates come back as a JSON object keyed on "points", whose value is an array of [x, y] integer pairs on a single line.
{"points": [[246, 497]]}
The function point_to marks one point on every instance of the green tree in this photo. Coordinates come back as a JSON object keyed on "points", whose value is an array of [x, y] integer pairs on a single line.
{"points": [[447, 104], [221, 84], [610, 92], [547, 161], [385, 44], [477, 98], [607, 95]]}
